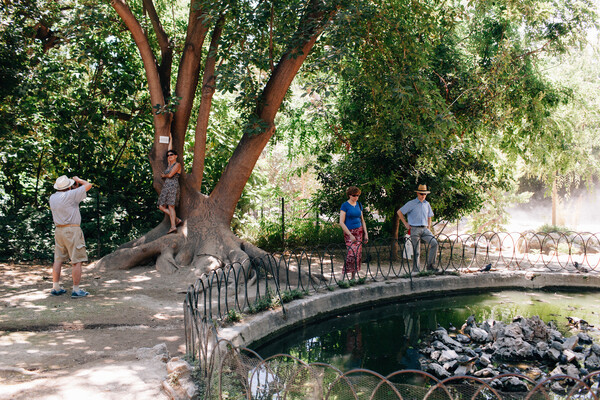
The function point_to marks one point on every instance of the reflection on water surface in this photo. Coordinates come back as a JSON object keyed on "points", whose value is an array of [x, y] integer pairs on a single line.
{"points": [[383, 338]]}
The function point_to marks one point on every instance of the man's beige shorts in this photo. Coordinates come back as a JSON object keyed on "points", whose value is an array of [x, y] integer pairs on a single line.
{"points": [[69, 244]]}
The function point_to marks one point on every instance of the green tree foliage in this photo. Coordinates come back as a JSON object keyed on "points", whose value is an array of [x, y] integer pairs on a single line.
{"points": [[443, 93], [569, 151]]}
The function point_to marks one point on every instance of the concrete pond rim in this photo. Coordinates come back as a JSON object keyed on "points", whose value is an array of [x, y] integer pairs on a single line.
{"points": [[257, 329]]}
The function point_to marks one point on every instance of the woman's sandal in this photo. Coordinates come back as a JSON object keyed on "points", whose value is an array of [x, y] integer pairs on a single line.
{"points": [[172, 230], [178, 222]]}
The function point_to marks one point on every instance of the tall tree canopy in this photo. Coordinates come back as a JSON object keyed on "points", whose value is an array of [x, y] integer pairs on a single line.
{"points": [[441, 92]]}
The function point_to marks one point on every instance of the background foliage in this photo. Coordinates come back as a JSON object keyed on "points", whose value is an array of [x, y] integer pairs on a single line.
{"points": [[77, 106], [459, 95], [450, 94]]}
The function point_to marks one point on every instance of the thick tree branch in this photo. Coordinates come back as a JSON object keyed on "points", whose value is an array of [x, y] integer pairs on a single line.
{"points": [[229, 188], [166, 50], [189, 70], [162, 121], [46, 35], [148, 58], [120, 115], [208, 91]]}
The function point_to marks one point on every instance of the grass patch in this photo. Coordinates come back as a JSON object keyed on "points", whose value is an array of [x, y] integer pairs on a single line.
{"points": [[270, 300]]}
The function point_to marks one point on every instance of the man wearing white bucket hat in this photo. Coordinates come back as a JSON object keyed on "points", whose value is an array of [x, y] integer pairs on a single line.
{"points": [[418, 212], [69, 242]]}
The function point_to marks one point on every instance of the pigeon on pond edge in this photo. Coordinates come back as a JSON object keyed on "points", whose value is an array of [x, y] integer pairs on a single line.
{"points": [[486, 268]]}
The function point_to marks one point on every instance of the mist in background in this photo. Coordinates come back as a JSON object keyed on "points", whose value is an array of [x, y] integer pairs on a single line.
{"points": [[579, 212]]}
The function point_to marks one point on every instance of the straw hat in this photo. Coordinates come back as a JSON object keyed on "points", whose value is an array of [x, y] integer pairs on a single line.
{"points": [[422, 189], [62, 183]]}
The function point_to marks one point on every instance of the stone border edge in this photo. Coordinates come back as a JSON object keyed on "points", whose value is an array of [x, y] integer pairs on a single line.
{"points": [[320, 305]]}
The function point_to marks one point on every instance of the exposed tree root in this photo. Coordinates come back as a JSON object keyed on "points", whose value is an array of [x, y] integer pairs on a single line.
{"points": [[198, 248]]}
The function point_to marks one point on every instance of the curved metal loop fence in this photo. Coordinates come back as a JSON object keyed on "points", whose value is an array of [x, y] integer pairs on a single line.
{"points": [[242, 373], [261, 283]]}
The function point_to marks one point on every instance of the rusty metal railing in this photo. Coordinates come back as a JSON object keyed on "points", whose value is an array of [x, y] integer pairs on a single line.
{"points": [[258, 284]]}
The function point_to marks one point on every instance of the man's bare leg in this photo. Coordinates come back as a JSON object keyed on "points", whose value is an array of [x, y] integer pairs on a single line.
{"points": [[76, 274], [56, 270]]}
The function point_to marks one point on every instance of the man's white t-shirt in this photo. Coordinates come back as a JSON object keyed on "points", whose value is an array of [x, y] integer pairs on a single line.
{"points": [[65, 206]]}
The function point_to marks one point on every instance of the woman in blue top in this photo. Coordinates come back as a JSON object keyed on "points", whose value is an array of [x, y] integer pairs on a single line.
{"points": [[355, 230]]}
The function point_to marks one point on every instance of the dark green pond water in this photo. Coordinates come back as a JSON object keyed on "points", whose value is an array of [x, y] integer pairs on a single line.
{"points": [[384, 338]]}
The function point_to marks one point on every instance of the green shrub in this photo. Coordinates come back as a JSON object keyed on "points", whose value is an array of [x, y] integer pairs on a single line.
{"points": [[266, 302], [28, 234], [344, 284], [289, 295], [299, 233], [547, 228], [233, 316]]}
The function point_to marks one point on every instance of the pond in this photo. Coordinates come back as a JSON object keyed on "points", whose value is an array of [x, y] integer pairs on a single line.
{"points": [[384, 338]]}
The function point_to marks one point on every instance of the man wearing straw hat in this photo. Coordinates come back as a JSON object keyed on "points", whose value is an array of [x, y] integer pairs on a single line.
{"points": [[68, 236], [418, 212]]}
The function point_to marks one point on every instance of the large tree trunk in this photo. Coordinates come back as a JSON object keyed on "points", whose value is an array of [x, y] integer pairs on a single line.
{"points": [[205, 241]]}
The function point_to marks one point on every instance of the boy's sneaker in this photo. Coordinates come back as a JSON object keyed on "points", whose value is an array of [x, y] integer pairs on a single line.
{"points": [[79, 293], [58, 292]]}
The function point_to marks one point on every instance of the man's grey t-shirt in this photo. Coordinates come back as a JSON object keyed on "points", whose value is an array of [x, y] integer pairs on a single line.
{"points": [[417, 212], [65, 206]]}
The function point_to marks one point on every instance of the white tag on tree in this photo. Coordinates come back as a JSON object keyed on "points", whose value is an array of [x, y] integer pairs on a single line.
{"points": [[163, 139]]}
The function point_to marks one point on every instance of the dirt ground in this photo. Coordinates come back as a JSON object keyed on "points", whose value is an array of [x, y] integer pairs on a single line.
{"points": [[56, 347]]}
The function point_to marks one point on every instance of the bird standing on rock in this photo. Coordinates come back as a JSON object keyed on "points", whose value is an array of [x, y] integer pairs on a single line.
{"points": [[486, 268]]}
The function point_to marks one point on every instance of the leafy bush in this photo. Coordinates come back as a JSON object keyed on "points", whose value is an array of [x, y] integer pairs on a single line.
{"points": [[299, 233], [233, 316], [289, 295], [28, 234], [264, 303], [548, 228]]}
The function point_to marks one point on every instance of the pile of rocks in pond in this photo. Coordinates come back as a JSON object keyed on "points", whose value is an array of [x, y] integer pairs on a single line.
{"points": [[527, 346]]}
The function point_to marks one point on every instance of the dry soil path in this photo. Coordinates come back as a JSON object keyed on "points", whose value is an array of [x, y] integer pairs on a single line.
{"points": [[89, 348]]}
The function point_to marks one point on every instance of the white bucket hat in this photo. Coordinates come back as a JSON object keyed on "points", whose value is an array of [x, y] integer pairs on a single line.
{"points": [[62, 183]]}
